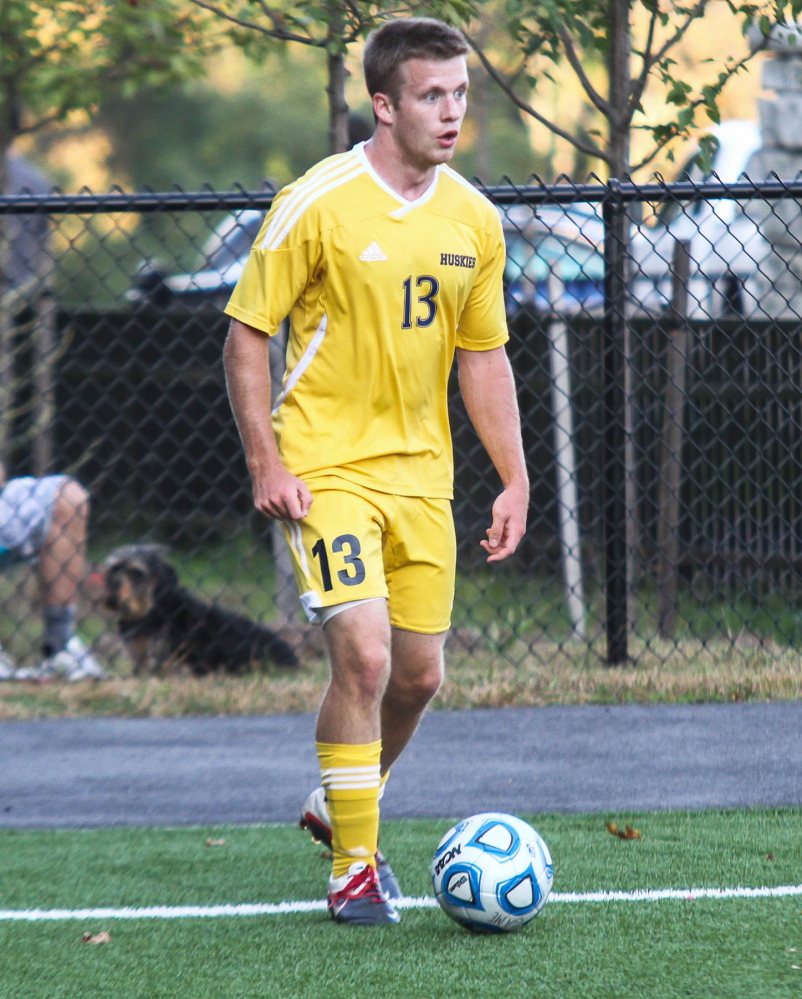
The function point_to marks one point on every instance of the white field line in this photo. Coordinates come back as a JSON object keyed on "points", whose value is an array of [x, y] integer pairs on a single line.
{"points": [[424, 902]]}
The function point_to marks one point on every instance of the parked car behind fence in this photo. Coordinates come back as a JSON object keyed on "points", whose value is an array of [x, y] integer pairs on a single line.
{"points": [[221, 261], [556, 252]]}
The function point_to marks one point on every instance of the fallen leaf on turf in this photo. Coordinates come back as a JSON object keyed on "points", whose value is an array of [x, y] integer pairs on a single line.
{"points": [[97, 938], [626, 833], [215, 842]]}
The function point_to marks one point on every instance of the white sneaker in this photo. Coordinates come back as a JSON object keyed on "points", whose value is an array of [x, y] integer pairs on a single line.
{"points": [[8, 667], [74, 662]]}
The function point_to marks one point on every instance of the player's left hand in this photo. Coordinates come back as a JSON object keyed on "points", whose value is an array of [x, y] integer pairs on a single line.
{"points": [[509, 524]]}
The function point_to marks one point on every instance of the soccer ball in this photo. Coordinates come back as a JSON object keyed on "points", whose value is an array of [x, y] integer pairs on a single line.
{"points": [[492, 873]]}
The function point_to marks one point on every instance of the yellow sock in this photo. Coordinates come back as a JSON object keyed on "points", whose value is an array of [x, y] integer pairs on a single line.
{"points": [[351, 779]]}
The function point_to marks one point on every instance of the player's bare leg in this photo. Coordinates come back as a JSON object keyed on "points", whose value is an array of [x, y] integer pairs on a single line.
{"points": [[349, 750], [415, 677], [358, 642]]}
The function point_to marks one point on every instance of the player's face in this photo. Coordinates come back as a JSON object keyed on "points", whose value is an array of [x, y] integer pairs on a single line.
{"points": [[427, 119]]}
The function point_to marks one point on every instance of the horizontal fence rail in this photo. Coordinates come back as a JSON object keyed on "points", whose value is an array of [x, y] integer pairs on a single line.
{"points": [[25, 203], [655, 335]]}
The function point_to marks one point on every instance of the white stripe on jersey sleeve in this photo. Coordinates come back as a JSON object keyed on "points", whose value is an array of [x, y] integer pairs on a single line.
{"points": [[321, 171], [281, 235], [318, 177]]}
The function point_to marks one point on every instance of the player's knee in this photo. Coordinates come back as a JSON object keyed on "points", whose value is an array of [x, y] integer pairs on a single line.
{"points": [[72, 502], [367, 672], [429, 682], [415, 692]]}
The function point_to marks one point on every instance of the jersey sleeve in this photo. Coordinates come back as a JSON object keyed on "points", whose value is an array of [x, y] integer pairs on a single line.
{"points": [[279, 267], [483, 322]]}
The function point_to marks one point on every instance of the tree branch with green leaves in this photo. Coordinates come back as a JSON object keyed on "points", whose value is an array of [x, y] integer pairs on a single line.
{"points": [[634, 53], [329, 25], [59, 58]]}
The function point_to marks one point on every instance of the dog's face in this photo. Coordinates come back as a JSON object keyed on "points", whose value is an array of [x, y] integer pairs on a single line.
{"points": [[133, 577]]}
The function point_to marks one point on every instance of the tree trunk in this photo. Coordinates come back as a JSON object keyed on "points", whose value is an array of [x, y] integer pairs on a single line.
{"points": [[44, 372], [338, 106], [620, 53], [6, 312], [482, 146], [671, 459], [479, 104], [7, 379], [618, 68]]}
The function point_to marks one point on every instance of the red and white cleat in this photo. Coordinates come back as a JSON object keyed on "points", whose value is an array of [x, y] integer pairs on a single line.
{"points": [[315, 819]]}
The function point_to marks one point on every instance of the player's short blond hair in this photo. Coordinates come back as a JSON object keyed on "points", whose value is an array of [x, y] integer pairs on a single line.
{"points": [[402, 39]]}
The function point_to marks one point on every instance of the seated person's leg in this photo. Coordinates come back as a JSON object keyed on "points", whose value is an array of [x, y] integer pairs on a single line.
{"points": [[62, 563], [47, 519]]}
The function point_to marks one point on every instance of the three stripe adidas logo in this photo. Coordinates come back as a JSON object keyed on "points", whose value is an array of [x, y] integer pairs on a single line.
{"points": [[372, 252]]}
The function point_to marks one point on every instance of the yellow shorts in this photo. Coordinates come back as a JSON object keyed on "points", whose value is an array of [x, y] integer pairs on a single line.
{"points": [[359, 544]]}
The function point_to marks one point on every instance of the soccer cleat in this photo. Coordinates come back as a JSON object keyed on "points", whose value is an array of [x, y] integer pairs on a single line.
{"points": [[357, 898], [315, 819], [74, 662]]}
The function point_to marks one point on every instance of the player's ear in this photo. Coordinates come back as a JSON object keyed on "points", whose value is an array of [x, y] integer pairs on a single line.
{"points": [[383, 108]]}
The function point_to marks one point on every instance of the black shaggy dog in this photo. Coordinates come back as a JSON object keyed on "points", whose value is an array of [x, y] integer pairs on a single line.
{"points": [[164, 625]]}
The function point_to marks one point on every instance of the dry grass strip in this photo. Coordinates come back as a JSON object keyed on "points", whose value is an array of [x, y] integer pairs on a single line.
{"points": [[536, 673]]}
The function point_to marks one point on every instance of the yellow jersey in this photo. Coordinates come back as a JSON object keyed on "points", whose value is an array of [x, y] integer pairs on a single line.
{"points": [[379, 291]]}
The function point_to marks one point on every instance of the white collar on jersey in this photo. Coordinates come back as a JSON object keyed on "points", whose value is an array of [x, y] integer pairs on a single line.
{"points": [[406, 206]]}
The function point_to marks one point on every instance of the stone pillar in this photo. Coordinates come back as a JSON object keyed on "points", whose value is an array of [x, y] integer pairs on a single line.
{"points": [[780, 221]]}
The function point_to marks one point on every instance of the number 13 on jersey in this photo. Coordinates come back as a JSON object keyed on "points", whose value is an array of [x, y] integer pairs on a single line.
{"points": [[426, 306]]}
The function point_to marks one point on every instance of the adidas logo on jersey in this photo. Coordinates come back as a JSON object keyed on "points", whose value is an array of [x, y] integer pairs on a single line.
{"points": [[372, 252]]}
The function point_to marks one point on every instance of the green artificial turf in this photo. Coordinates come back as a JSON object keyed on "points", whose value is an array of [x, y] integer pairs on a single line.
{"points": [[701, 948]]}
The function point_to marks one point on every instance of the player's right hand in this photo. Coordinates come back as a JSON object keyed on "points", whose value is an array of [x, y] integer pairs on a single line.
{"points": [[281, 496]]}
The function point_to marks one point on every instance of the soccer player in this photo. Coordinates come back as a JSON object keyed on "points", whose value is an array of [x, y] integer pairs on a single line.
{"points": [[387, 262]]}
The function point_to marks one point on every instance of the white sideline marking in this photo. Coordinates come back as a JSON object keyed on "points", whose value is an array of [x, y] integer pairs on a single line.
{"points": [[424, 902]]}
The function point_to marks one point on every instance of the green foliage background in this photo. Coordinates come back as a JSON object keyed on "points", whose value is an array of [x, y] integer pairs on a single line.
{"points": [[274, 125]]}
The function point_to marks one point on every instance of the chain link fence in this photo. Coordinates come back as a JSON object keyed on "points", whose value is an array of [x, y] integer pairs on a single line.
{"points": [[655, 336]]}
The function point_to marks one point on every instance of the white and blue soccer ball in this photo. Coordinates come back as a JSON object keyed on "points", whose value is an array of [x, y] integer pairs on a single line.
{"points": [[492, 872]]}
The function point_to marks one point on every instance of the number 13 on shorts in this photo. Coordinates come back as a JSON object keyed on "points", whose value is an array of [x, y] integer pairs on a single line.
{"points": [[337, 550], [359, 544], [353, 574]]}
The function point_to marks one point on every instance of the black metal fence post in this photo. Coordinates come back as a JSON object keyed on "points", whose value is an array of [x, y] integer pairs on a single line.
{"points": [[614, 460]]}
